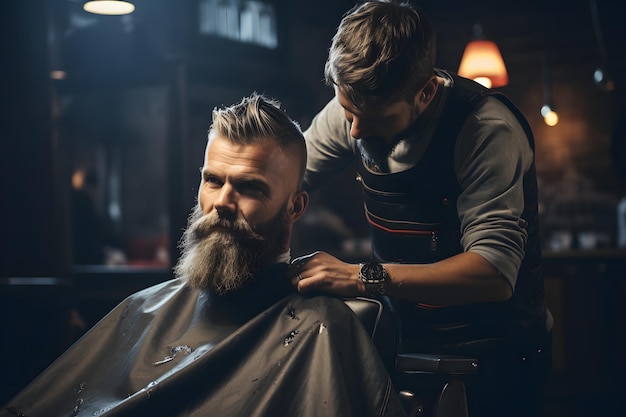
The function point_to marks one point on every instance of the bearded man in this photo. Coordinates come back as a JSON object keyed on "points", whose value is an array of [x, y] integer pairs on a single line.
{"points": [[229, 336]]}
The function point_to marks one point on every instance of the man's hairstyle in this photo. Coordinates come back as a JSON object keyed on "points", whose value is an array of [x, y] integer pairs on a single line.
{"points": [[382, 52], [257, 119]]}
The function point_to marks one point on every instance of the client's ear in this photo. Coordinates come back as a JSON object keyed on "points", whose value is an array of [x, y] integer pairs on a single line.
{"points": [[297, 207]]}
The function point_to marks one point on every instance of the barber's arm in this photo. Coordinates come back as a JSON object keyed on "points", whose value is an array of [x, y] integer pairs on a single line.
{"points": [[492, 156], [462, 279]]}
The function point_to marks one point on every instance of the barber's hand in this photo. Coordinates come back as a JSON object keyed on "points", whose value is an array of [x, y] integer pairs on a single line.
{"points": [[320, 271]]}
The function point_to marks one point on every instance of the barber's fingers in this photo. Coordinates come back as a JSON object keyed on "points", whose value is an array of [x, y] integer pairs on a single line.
{"points": [[323, 272], [301, 264], [295, 279], [300, 261], [330, 284], [297, 267]]}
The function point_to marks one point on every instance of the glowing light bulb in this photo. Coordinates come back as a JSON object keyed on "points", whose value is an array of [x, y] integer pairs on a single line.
{"points": [[550, 117], [484, 81]]}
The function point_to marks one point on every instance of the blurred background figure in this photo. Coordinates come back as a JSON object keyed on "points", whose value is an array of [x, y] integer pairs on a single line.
{"points": [[87, 225], [92, 241]]}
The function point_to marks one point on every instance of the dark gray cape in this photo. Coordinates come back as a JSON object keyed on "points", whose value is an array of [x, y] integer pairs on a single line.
{"points": [[170, 350]]}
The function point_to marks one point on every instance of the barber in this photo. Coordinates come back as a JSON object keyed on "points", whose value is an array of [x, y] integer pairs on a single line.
{"points": [[450, 194]]}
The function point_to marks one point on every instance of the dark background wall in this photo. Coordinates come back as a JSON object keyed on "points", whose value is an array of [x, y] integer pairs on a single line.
{"points": [[136, 103]]}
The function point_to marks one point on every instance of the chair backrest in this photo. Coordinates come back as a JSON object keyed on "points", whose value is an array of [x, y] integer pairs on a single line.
{"points": [[380, 321], [442, 371]]}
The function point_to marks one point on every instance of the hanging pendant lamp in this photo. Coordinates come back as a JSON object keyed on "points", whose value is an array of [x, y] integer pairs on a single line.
{"points": [[483, 63]]}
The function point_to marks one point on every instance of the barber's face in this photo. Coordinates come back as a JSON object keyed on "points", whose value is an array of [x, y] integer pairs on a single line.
{"points": [[382, 122]]}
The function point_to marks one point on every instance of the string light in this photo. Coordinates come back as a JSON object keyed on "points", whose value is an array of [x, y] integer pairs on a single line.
{"points": [[550, 116]]}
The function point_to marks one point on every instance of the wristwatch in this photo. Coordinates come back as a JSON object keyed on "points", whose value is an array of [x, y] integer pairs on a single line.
{"points": [[375, 278]]}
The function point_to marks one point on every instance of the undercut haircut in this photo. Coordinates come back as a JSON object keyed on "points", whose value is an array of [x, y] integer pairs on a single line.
{"points": [[257, 119], [382, 52]]}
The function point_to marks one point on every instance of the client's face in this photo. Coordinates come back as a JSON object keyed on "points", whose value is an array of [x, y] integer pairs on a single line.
{"points": [[242, 219]]}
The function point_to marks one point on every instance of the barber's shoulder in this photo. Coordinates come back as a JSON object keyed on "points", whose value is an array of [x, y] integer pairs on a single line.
{"points": [[493, 109], [335, 110], [330, 126], [492, 120], [493, 117]]}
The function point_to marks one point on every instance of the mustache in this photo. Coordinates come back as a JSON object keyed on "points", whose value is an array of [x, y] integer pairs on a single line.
{"points": [[201, 226]]}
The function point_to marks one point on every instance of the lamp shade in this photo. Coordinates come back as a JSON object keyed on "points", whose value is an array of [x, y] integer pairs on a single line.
{"points": [[482, 62], [109, 7]]}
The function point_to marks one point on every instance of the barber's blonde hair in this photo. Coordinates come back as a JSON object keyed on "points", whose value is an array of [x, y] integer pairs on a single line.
{"points": [[257, 119]]}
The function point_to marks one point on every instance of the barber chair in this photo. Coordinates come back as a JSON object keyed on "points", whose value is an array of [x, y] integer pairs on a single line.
{"points": [[429, 385], [380, 322], [443, 381]]}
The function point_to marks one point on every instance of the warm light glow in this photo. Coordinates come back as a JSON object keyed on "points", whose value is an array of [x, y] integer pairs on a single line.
{"points": [[109, 7], [484, 81], [482, 59], [58, 75], [78, 179], [550, 117]]}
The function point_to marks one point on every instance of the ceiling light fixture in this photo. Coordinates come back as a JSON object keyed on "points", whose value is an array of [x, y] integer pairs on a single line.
{"points": [[109, 7], [482, 62]]}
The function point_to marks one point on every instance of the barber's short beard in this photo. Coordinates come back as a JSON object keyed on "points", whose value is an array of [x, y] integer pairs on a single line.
{"points": [[221, 254], [376, 149]]}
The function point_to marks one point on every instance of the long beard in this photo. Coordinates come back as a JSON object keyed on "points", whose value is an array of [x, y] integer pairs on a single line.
{"points": [[223, 255]]}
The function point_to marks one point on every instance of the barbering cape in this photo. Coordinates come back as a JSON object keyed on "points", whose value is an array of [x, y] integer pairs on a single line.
{"points": [[170, 350]]}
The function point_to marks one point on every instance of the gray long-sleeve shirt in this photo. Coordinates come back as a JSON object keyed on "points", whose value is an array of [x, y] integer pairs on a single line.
{"points": [[491, 156]]}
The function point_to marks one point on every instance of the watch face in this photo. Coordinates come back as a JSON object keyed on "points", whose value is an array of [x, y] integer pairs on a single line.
{"points": [[372, 272], [374, 276]]}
